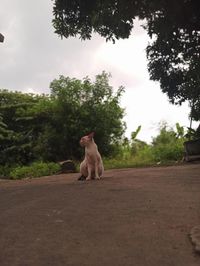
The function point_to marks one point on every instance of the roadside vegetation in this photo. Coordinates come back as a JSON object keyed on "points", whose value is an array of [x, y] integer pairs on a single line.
{"points": [[39, 131], [166, 148]]}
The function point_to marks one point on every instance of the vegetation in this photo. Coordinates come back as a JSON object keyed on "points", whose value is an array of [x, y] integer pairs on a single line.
{"points": [[165, 148], [114, 19], [48, 128], [81, 107], [38, 131], [37, 169], [173, 26]]}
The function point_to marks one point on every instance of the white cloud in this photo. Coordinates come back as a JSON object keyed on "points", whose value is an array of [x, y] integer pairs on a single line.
{"points": [[126, 58]]}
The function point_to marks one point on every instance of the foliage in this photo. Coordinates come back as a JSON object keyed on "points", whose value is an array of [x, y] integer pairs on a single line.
{"points": [[135, 133], [22, 126], [174, 27], [136, 144], [126, 158], [5, 171], [114, 19], [166, 147], [111, 19], [174, 58], [3, 129], [82, 107], [37, 169], [49, 127]]}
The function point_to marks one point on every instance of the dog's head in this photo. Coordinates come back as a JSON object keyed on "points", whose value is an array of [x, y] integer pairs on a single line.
{"points": [[86, 140]]}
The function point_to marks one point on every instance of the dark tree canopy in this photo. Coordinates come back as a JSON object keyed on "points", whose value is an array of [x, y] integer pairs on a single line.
{"points": [[113, 19], [174, 27], [174, 52]]}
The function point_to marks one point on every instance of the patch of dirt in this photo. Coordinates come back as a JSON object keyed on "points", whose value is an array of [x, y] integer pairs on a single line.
{"points": [[140, 217]]}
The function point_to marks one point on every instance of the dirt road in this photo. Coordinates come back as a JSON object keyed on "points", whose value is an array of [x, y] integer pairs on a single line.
{"points": [[139, 217]]}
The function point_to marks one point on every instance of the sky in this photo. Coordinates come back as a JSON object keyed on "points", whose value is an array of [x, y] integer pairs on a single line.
{"points": [[32, 56]]}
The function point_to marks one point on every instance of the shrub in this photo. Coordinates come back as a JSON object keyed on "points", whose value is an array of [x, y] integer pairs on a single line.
{"points": [[37, 169], [5, 171], [143, 157], [168, 152], [168, 145]]}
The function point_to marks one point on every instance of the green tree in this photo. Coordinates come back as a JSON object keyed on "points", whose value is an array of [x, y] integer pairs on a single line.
{"points": [[82, 107], [21, 126], [4, 132], [6, 136]]}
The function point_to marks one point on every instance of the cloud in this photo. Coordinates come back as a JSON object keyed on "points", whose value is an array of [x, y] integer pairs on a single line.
{"points": [[33, 55], [126, 58]]}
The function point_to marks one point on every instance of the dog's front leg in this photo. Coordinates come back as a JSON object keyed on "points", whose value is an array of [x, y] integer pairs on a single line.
{"points": [[89, 177], [96, 171]]}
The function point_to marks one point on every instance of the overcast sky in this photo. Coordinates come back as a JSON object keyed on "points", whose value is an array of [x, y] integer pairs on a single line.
{"points": [[32, 55]]}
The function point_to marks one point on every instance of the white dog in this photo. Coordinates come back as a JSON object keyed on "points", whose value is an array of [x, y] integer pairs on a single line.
{"points": [[92, 165]]}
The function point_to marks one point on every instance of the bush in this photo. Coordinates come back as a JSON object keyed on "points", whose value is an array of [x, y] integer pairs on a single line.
{"points": [[143, 157], [167, 148], [5, 171], [168, 152], [168, 145], [37, 169]]}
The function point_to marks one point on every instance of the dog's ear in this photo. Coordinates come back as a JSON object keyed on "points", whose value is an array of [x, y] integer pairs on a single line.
{"points": [[91, 135]]}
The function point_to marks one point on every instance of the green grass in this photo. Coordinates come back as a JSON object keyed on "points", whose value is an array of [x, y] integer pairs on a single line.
{"points": [[126, 160], [36, 169], [147, 156], [128, 163]]}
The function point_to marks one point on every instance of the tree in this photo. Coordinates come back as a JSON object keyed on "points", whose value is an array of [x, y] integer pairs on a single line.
{"points": [[174, 53], [82, 107], [3, 128], [113, 19], [20, 126], [5, 139], [174, 27]]}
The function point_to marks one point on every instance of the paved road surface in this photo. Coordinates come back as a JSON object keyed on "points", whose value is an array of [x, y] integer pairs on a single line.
{"points": [[139, 217]]}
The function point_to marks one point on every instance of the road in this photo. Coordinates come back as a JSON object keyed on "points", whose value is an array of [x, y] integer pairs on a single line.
{"points": [[133, 217]]}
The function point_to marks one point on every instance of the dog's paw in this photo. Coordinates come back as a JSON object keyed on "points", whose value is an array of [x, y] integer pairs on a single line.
{"points": [[82, 178]]}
